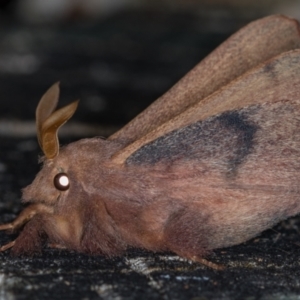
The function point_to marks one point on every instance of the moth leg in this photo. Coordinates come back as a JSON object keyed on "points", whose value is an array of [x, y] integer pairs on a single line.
{"points": [[7, 246], [207, 263], [56, 246], [185, 240], [30, 240], [26, 215]]}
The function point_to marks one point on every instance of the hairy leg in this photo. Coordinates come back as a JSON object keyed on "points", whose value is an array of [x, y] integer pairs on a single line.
{"points": [[26, 215], [30, 238], [186, 234]]}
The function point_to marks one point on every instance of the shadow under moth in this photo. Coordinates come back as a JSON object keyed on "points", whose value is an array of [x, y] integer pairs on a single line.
{"points": [[210, 164]]}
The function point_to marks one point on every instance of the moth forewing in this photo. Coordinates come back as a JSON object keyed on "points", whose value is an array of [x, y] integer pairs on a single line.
{"points": [[275, 80], [256, 43]]}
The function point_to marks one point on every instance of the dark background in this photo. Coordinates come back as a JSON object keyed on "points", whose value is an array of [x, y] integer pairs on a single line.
{"points": [[118, 59]]}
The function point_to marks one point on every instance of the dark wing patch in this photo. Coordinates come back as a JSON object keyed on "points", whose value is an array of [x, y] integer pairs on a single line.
{"points": [[228, 137]]}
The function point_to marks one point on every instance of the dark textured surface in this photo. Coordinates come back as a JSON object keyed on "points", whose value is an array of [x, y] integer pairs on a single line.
{"points": [[117, 67]]}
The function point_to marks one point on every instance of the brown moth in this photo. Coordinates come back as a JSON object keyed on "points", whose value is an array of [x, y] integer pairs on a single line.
{"points": [[210, 164]]}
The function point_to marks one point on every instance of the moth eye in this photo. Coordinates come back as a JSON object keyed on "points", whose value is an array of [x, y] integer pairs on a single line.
{"points": [[61, 181]]}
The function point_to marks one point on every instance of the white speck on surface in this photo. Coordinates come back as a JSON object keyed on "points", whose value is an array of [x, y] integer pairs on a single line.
{"points": [[139, 265], [106, 291], [174, 258], [198, 278], [6, 287]]}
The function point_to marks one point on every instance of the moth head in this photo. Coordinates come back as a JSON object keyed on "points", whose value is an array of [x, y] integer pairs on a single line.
{"points": [[53, 180]]}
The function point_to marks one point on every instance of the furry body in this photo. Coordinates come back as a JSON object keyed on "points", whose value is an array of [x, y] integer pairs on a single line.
{"points": [[228, 181]]}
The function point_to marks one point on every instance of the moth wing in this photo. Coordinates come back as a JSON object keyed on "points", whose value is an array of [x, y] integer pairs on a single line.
{"points": [[275, 80], [250, 46]]}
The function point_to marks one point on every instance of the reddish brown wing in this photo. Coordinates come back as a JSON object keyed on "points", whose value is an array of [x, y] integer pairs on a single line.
{"points": [[252, 45], [232, 160], [276, 80]]}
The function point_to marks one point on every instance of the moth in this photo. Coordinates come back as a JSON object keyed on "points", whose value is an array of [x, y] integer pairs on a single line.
{"points": [[210, 164]]}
